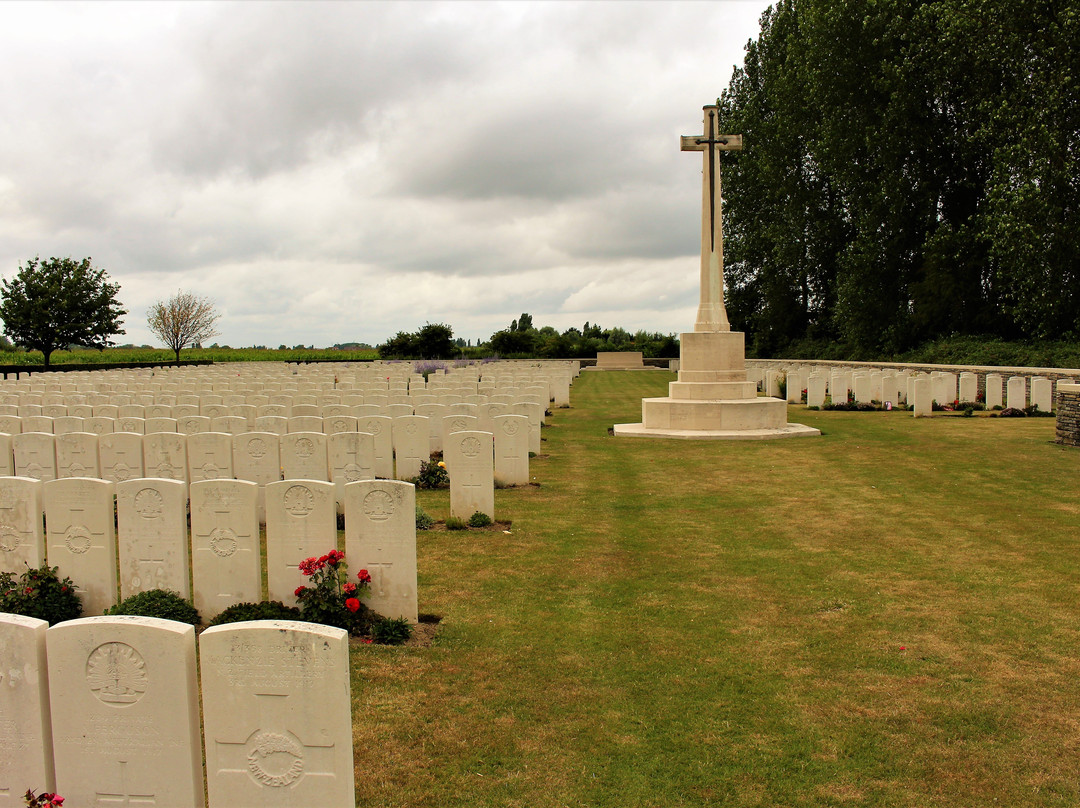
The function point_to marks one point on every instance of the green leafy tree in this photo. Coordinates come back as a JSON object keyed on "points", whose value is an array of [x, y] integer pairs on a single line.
{"points": [[433, 341], [917, 182], [59, 302], [436, 341], [402, 346]]}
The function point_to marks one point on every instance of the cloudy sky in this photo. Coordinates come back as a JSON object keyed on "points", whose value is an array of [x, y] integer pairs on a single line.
{"points": [[337, 172]]}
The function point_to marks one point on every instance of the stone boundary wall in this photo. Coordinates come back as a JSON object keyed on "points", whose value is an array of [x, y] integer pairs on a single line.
{"points": [[1068, 415], [1053, 374]]}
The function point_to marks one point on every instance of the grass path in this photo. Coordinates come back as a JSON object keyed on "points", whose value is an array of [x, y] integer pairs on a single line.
{"points": [[886, 615]]}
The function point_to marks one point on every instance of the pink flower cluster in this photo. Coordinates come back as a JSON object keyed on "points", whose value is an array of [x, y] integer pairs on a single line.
{"points": [[309, 566]]}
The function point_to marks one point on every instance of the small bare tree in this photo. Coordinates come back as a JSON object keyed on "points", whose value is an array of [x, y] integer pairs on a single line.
{"points": [[183, 319]]}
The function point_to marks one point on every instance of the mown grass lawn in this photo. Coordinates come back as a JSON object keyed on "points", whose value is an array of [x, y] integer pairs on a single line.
{"points": [[886, 615]]}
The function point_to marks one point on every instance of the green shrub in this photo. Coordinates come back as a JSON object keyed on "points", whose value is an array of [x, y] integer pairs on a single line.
{"points": [[479, 519], [391, 631], [40, 592], [263, 610], [453, 523], [423, 520], [163, 603], [432, 475]]}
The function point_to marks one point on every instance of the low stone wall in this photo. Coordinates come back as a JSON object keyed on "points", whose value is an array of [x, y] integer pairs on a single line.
{"points": [[1068, 415]]}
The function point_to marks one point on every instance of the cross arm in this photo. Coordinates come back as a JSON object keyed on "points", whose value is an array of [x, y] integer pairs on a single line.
{"points": [[721, 142]]}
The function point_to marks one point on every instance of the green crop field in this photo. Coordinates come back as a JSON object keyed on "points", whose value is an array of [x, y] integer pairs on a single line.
{"points": [[886, 615], [110, 355]]}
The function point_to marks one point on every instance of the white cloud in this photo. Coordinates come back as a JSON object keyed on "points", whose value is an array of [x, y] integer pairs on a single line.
{"points": [[333, 172]]}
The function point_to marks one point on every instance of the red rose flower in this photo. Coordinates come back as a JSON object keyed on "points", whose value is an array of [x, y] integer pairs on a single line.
{"points": [[352, 604], [364, 577], [300, 591], [349, 588]]}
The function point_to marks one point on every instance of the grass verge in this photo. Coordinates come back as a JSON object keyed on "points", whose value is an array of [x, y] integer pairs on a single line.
{"points": [[882, 616]]}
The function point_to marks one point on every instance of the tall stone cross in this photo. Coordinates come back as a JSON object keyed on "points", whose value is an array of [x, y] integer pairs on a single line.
{"points": [[711, 314]]}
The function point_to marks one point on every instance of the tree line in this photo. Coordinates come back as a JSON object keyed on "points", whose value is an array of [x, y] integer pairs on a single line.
{"points": [[521, 339], [909, 173]]}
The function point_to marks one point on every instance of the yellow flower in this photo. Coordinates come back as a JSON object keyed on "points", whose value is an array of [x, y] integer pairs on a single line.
{"points": [[442, 465]]}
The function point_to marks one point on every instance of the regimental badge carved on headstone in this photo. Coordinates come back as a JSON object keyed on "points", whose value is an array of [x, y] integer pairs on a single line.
{"points": [[116, 674], [223, 542], [299, 500], [148, 503], [77, 539], [9, 538], [378, 506]]}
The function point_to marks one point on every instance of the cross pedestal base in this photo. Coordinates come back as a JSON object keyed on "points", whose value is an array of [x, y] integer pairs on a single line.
{"points": [[712, 398]]}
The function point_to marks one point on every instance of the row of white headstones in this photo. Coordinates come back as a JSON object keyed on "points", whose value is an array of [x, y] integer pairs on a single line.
{"points": [[918, 389], [105, 711], [150, 548], [392, 450]]}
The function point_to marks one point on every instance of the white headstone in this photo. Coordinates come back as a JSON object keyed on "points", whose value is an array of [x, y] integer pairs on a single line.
{"points": [[81, 536], [381, 427], [511, 449], [209, 456], [7, 459], [152, 536], [165, 455], [35, 455], [22, 539], [77, 455], [1017, 393], [125, 712], [352, 458], [471, 464], [969, 387], [304, 456], [457, 423], [276, 424], [121, 456], [160, 425], [923, 398], [257, 458], [301, 521], [99, 426], [278, 715], [1042, 394], [380, 536], [25, 726], [411, 445], [434, 413], [815, 390], [993, 391], [226, 562]]}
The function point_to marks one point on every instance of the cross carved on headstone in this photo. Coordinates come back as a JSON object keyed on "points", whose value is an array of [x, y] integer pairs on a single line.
{"points": [[711, 314]]}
